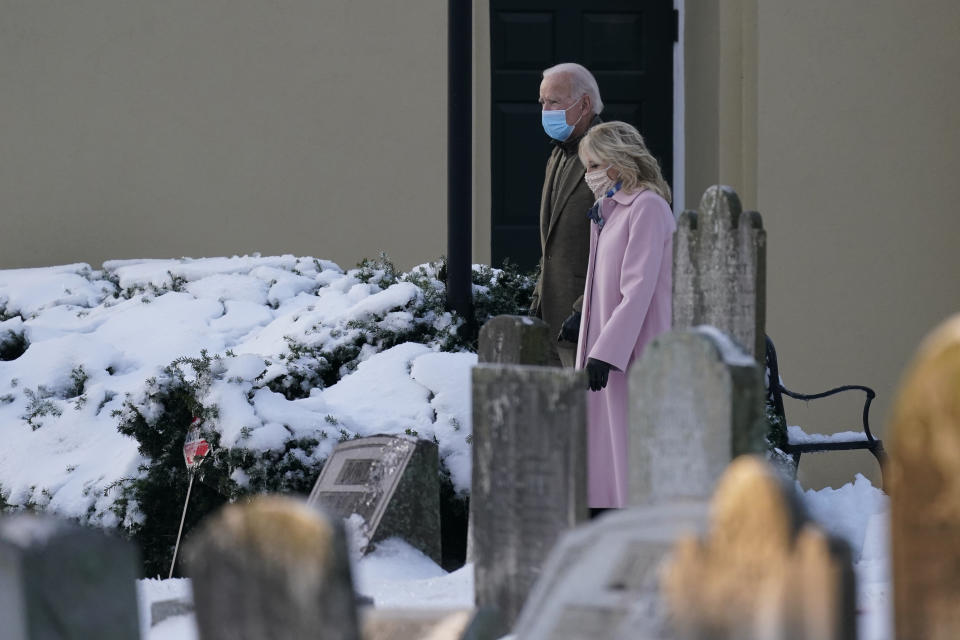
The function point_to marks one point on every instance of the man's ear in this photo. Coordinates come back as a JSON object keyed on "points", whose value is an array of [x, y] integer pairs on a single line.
{"points": [[589, 106]]}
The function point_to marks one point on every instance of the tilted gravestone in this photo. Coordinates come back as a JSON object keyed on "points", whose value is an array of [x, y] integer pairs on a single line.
{"points": [[762, 571], [529, 475], [515, 340], [59, 580], [429, 624], [925, 491], [271, 568], [719, 269], [392, 482], [696, 402]]}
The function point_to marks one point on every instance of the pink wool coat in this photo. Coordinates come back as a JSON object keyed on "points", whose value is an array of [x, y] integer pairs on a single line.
{"points": [[626, 303]]}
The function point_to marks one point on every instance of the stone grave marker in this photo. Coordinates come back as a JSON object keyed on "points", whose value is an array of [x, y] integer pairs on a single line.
{"points": [[924, 478], [696, 402], [515, 340], [507, 339], [602, 579], [763, 571], [274, 568], [430, 624], [59, 580], [719, 269], [529, 475], [392, 482]]}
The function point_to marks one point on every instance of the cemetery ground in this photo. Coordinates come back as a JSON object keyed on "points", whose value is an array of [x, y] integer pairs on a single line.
{"points": [[281, 358]]}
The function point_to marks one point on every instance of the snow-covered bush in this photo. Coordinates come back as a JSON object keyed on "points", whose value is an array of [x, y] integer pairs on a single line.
{"points": [[280, 357]]}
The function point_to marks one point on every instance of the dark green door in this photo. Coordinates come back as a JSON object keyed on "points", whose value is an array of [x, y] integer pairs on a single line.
{"points": [[627, 45]]}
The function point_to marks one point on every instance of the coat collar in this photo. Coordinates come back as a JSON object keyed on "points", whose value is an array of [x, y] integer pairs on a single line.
{"points": [[570, 145], [624, 198]]}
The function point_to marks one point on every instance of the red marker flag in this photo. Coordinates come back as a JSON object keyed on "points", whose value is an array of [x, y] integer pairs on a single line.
{"points": [[195, 449]]}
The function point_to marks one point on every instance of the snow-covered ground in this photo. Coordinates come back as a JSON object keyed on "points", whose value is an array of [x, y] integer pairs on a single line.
{"points": [[396, 575], [97, 342]]}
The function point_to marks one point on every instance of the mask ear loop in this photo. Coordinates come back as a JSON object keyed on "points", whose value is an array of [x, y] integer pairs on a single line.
{"points": [[580, 117]]}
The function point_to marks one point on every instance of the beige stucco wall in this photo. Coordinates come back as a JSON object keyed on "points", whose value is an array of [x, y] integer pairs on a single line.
{"points": [[857, 142], [214, 127]]}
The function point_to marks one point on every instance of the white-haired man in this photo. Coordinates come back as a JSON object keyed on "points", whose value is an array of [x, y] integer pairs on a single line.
{"points": [[571, 105]]}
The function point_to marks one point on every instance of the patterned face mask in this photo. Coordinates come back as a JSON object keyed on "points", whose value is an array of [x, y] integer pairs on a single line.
{"points": [[598, 181]]}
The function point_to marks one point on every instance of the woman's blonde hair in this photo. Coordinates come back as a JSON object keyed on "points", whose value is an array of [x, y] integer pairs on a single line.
{"points": [[621, 145]]}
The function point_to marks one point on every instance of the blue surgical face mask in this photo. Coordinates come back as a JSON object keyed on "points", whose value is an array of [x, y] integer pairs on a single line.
{"points": [[555, 123]]}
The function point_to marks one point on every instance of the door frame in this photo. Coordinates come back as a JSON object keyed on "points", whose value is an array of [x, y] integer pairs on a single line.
{"points": [[482, 123]]}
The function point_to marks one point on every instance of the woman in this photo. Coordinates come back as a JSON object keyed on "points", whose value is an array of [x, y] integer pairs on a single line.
{"points": [[627, 297]]}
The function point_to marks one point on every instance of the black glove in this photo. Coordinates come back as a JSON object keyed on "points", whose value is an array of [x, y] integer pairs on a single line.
{"points": [[570, 329], [597, 373]]}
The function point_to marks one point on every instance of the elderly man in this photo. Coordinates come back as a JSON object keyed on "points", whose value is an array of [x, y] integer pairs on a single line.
{"points": [[571, 103]]}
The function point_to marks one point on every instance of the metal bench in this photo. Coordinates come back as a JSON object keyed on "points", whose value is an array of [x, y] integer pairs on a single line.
{"points": [[775, 393]]}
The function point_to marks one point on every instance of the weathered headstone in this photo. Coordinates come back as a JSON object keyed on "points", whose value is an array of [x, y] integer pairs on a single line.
{"points": [[529, 475], [429, 624], [925, 491], [515, 340], [392, 482], [272, 568], [509, 339], [719, 269], [59, 580], [696, 402], [602, 579], [763, 571]]}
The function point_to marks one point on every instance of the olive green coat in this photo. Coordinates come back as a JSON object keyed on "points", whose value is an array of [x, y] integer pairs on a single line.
{"points": [[564, 241]]}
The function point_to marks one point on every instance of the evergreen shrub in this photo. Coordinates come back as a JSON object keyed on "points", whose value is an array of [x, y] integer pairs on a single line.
{"points": [[149, 506]]}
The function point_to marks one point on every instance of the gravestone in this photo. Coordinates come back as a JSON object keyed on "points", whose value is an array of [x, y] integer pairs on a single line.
{"points": [[696, 402], [429, 624], [59, 580], [719, 269], [509, 339], [601, 580], [392, 482], [763, 571], [515, 340], [925, 490], [529, 475], [271, 568]]}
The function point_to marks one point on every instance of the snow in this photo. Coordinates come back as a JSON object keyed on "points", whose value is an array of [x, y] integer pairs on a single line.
{"points": [[730, 352], [797, 435], [100, 338], [859, 513], [398, 576], [395, 575]]}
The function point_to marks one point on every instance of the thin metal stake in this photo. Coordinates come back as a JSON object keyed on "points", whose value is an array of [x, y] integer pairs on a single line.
{"points": [[182, 519]]}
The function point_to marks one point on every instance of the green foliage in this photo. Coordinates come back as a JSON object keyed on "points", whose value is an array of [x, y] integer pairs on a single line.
{"points": [[4, 505], [292, 470], [78, 381], [149, 506], [39, 405], [12, 345], [776, 427], [501, 291]]}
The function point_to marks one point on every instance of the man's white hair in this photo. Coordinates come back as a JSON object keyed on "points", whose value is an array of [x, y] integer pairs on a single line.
{"points": [[581, 82]]}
